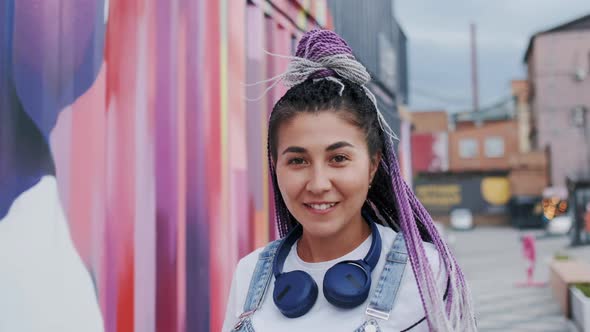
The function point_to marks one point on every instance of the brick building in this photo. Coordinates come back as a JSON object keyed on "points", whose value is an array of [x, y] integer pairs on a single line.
{"points": [[483, 141], [429, 121], [429, 141], [558, 63]]}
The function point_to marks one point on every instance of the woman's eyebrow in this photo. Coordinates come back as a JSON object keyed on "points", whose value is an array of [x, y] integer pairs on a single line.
{"points": [[339, 145], [294, 149], [332, 147]]}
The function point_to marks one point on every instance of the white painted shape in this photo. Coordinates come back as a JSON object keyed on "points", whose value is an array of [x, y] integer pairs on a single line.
{"points": [[44, 284]]}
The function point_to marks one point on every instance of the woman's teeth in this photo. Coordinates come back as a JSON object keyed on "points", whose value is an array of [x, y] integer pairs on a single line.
{"points": [[321, 206]]}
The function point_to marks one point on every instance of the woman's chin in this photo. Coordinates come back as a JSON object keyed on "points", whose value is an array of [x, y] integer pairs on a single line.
{"points": [[324, 228]]}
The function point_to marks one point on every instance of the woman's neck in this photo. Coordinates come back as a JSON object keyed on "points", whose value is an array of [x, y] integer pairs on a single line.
{"points": [[315, 249]]}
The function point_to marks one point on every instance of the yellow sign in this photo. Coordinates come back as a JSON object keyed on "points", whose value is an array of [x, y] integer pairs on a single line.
{"points": [[495, 190], [445, 195]]}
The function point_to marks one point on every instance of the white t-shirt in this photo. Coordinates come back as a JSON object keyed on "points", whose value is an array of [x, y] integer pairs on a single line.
{"points": [[323, 316], [44, 285]]}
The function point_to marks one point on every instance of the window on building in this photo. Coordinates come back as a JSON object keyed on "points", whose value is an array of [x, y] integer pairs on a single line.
{"points": [[468, 148], [494, 147]]}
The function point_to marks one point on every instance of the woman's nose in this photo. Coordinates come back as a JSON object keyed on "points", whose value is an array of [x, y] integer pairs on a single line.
{"points": [[319, 181]]}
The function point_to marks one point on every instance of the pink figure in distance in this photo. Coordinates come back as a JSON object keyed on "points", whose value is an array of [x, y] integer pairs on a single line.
{"points": [[530, 255]]}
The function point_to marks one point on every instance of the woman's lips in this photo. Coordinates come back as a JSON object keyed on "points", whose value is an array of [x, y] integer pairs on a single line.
{"points": [[321, 208]]}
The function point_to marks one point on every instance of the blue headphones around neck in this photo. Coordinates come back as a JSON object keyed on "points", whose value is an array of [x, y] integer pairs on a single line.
{"points": [[346, 284]]}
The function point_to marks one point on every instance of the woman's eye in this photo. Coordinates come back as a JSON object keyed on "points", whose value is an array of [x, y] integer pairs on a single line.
{"points": [[339, 159], [296, 161]]}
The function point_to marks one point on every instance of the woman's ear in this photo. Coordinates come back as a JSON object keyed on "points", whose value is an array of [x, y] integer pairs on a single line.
{"points": [[375, 161]]}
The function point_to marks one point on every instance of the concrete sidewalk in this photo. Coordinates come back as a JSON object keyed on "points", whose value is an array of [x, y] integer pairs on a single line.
{"points": [[492, 260]]}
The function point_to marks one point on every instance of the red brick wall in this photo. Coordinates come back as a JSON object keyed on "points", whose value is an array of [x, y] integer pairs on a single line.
{"points": [[508, 130]]}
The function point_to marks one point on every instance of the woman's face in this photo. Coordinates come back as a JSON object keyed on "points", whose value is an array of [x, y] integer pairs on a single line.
{"points": [[323, 170]]}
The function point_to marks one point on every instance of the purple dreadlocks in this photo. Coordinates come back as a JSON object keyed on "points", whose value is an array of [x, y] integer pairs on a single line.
{"points": [[325, 76]]}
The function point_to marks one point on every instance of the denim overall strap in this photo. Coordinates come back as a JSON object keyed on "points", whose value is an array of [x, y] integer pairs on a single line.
{"points": [[385, 294], [258, 285]]}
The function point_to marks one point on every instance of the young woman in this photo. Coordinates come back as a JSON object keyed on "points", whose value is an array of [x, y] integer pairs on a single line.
{"points": [[358, 251]]}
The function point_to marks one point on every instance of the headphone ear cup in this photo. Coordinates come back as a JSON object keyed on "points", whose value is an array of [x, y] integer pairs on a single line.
{"points": [[347, 284], [295, 293]]}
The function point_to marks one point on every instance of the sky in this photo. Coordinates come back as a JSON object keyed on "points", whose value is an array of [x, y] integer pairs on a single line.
{"points": [[439, 45]]}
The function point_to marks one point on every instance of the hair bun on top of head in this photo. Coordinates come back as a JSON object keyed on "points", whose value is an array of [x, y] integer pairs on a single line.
{"points": [[322, 54]]}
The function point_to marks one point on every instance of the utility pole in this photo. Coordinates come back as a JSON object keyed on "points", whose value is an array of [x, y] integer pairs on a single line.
{"points": [[474, 81]]}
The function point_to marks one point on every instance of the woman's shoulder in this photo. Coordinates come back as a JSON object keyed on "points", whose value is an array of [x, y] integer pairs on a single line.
{"points": [[408, 310], [240, 285], [247, 263], [388, 236]]}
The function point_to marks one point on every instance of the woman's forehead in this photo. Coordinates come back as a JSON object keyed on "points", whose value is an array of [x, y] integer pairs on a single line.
{"points": [[321, 128]]}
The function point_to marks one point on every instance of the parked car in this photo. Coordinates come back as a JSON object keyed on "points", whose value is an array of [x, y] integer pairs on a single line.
{"points": [[461, 219], [559, 225]]}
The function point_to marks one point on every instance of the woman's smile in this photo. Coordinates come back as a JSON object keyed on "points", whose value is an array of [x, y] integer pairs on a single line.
{"points": [[321, 207]]}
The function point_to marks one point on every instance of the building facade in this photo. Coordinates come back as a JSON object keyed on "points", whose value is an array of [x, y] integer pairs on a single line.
{"points": [[486, 147], [430, 141], [558, 65], [379, 42], [463, 161]]}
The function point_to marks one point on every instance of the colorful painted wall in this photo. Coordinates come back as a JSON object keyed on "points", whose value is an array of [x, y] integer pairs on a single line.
{"points": [[161, 161]]}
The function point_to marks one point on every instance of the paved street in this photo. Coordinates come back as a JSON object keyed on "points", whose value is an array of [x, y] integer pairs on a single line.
{"points": [[492, 260]]}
